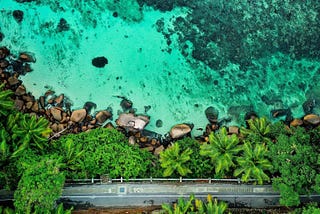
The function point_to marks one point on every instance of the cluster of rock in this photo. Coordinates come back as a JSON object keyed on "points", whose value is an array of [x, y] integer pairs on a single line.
{"points": [[57, 108], [63, 120]]}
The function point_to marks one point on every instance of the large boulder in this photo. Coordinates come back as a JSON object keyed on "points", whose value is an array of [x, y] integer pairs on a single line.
{"points": [[13, 81], [59, 99], [21, 90], [132, 122], [312, 119], [56, 113], [78, 116], [180, 130], [296, 122], [102, 116], [4, 52]]}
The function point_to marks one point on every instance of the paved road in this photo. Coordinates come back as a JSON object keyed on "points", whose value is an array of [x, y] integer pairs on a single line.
{"points": [[146, 194], [125, 194]]}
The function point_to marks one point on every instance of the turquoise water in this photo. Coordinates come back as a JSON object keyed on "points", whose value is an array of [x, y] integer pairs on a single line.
{"points": [[236, 56]]}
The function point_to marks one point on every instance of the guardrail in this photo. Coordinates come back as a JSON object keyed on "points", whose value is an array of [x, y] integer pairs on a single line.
{"points": [[151, 180]]}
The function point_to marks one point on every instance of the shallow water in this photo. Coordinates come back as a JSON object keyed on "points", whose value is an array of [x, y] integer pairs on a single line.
{"points": [[169, 68]]}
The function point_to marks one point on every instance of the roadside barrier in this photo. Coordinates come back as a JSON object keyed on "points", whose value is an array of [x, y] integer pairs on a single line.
{"points": [[106, 179]]}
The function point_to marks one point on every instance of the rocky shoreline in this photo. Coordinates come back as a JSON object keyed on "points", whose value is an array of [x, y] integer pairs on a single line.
{"points": [[63, 120]]}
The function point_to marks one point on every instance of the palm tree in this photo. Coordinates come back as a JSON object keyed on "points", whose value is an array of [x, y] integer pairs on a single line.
{"points": [[253, 163], [181, 207], [28, 131], [4, 147], [258, 130], [222, 149], [6, 103], [172, 160], [60, 210], [6, 210], [211, 207], [71, 152]]}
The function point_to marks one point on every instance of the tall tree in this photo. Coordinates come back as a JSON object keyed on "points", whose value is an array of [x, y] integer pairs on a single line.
{"points": [[222, 149], [28, 131], [174, 160], [6, 102], [258, 130], [40, 185], [199, 165], [253, 163], [295, 158]]}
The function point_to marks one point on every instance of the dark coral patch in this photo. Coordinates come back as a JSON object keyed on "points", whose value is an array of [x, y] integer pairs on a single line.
{"points": [[99, 62]]}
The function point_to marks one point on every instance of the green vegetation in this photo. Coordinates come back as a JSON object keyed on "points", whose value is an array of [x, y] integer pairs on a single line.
{"points": [[104, 152], [196, 206], [199, 165], [223, 150], [310, 208], [258, 130], [174, 160], [6, 102], [253, 163], [210, 207], [40, 186], [28, 131], [57, 210], [33, 166], [296, 159]]}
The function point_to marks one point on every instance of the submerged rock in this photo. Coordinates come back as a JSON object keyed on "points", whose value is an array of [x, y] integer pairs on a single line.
{"points": [[88, 106], [159, 123], [63, 25], [27, 57], [250, 115], [18, 15], [99, 62], [22, 1], [280, 112], [212, 114], [1, 36], [126, 104], [308, 106]]}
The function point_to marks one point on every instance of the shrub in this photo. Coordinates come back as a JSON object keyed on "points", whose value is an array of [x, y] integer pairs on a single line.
{"points": [[106, 152]]}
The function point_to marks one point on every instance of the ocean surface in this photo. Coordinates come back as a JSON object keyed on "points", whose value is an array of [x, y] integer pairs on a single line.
{"points": [[172, 61]]}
